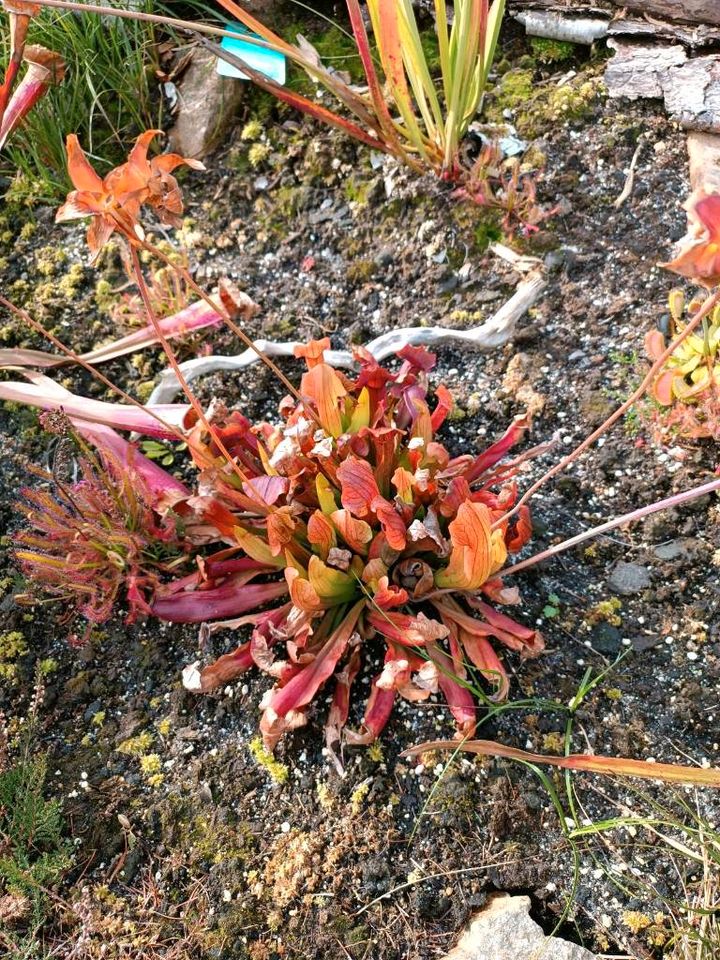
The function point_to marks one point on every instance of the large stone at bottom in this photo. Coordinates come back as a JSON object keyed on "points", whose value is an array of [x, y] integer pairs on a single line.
{"points": [[208, 106], [504, 930]]}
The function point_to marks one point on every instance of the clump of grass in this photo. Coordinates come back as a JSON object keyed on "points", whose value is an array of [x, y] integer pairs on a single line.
{"points": [[109, 94]]}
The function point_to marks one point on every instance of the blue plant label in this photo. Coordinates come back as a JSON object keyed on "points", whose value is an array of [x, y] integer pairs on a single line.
{"points": [[270, 63]]}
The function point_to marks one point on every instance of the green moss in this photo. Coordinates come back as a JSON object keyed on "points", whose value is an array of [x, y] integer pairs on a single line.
{"points": [[537, 108], [12, 646], [607, 610], [48, 259], [47, 667], [552, 51], [27, 230], [71, 282], [361, 271], [277, 771], [515, 89]]}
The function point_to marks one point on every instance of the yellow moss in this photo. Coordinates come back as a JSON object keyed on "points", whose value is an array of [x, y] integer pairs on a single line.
{"points": [[606, 610], [278, 771], [12, 647], [47, 667], [553, 742], [28, 229], [5, 584], [104, 295], [375, 752], [357, 798], [636, 921], [137, 746], [144, 389], [252, 130], [163, 726], [325, 797], [48, 259], [257, 153], [98, 718], [613, 693], [150, 763]]}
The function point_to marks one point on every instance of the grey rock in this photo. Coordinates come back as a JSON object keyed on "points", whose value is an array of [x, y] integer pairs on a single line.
{"points": [[629, 578], [673, 550], [208, 105], [504, 930]]}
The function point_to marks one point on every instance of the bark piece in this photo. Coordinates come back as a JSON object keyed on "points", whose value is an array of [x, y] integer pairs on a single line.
{"points": [[704, 154], [692, 93], [690, 11], [208, 105], [640, 71], [504, 930]]}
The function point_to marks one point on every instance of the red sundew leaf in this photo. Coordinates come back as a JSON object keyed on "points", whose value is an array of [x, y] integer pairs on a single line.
{"points": [[444, 406], [321, 533], [313, 352], [459, 699], [521, 530], [588, 763], [322, 385], [480, 652], [475, 550], [280, 529], [377, 713], [356, 533], [391, 522], [302, 593], [227, 600], [358, 487], [301, 689], [497, 450]]}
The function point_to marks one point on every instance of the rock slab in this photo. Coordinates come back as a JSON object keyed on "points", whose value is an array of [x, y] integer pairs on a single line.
{"points": [[504, 930], [208, 104]]}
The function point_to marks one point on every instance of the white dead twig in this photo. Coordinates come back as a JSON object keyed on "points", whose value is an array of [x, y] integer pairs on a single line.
{"points": [[630, 179], [557, 26], [487, 337]]}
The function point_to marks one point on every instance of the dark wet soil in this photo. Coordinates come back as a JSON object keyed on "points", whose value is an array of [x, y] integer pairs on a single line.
{"points": [[219, 855]]}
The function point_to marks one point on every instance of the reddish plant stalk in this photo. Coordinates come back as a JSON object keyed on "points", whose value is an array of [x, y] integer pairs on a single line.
{"points": [[703, 312], [45, 69], [638, 514]]}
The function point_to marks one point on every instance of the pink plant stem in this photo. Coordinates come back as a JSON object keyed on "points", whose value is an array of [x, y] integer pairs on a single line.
{"points": [[38, 327], [238, 331], [706, 308], [673, 501], [170, 354]]}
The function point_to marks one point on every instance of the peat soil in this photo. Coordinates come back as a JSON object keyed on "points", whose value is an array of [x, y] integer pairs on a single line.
{"points": [[186, 839]]}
